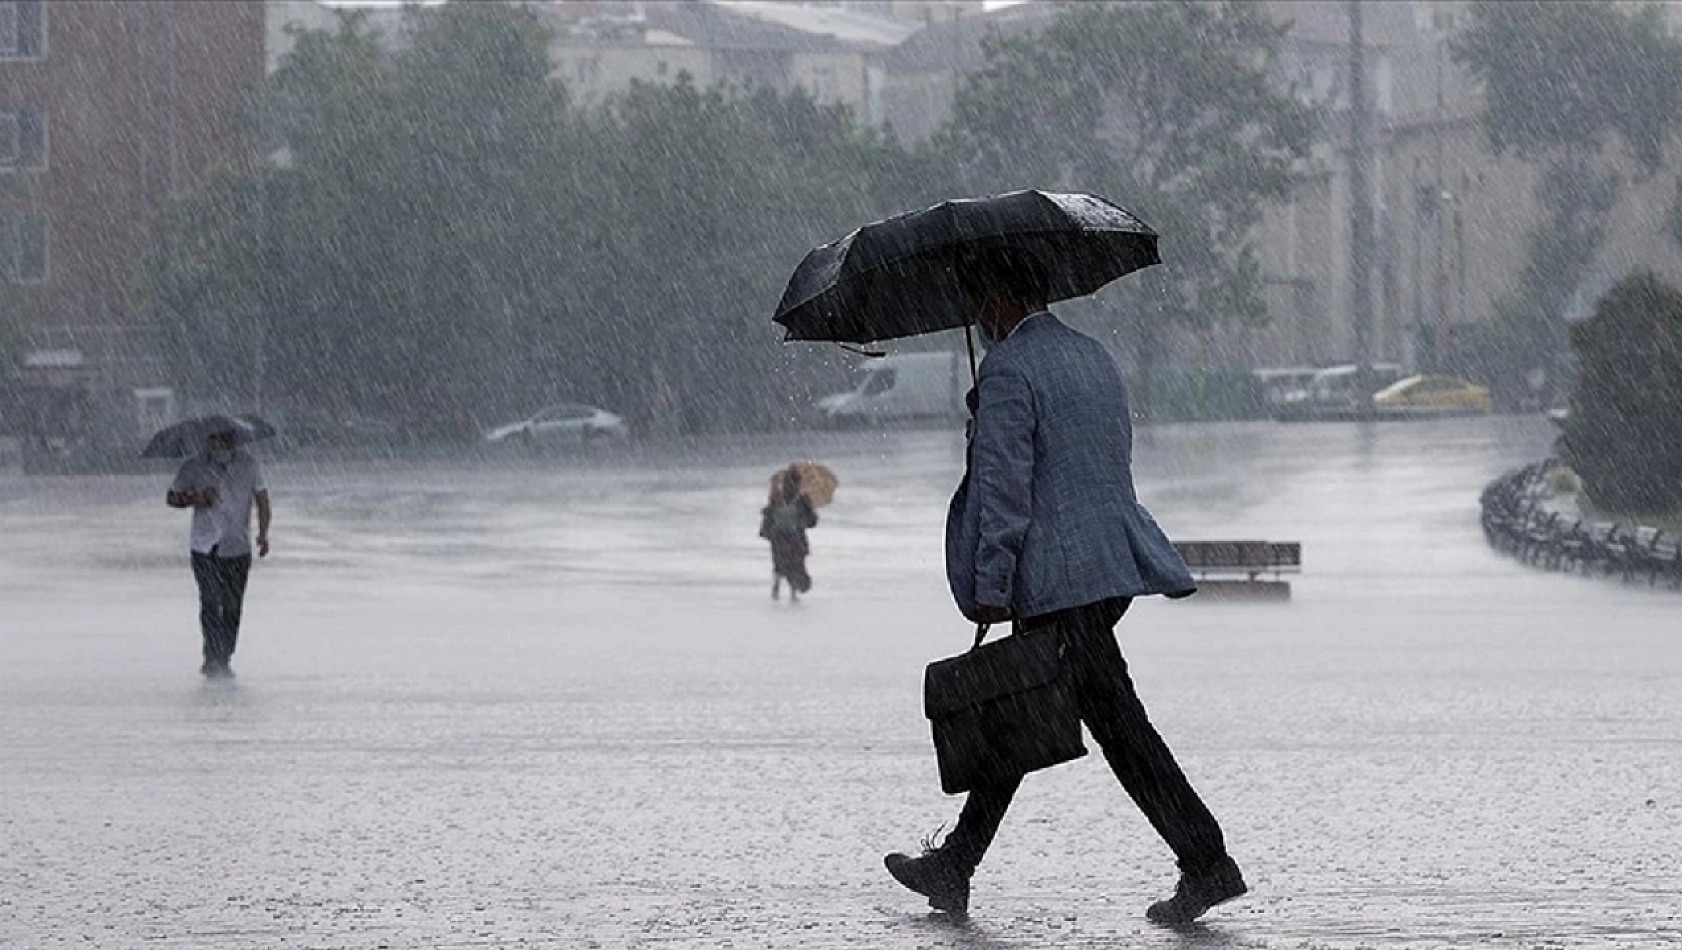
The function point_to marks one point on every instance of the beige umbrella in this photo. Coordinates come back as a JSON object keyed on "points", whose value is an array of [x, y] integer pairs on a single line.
{"points": [[817, 482]]}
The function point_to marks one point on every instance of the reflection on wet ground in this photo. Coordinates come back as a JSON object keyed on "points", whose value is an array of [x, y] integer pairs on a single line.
{"points": [[548, 703]]}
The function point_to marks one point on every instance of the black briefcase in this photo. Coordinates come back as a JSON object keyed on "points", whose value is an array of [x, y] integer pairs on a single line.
{"points": [[1002, 710]]}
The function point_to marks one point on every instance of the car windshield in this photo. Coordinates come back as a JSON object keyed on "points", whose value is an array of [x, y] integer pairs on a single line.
{"points": [[879, 381], [564, 413]]}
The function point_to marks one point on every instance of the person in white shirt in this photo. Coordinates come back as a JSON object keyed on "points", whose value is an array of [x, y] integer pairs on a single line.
{"points": [[221, 486]]}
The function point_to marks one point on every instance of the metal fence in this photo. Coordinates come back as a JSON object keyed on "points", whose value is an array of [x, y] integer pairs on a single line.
{"points": [[1515, 521]]}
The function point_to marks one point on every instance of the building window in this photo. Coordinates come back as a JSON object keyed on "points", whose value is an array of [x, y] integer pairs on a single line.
{"points": [[23, 139], [29, 257], [23, 29]]}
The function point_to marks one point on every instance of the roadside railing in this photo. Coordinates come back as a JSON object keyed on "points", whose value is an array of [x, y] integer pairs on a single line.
{"points": [[1516, 521]]}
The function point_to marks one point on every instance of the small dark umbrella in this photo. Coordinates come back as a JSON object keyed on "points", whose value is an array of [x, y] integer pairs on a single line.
{"points": [[895, 278], [188, 437]]}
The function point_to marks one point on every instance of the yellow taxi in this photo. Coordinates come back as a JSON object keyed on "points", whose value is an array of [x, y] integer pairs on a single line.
{"points": [[1433, 396]]}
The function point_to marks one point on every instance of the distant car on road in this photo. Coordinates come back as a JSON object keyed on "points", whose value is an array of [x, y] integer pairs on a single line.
{"points": [[1433, 396], [1278, 383], [1332, 394], [561, 424]]}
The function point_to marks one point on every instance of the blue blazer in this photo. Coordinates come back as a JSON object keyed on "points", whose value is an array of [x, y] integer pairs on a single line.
{"points": [[1046, 517]]}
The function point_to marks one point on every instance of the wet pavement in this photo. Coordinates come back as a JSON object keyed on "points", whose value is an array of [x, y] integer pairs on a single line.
{"points": [[549, 703]]}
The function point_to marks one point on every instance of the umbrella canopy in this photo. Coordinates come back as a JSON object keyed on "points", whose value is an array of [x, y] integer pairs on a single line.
{"points": [[188, 437], [817, 482], [897, 278]]}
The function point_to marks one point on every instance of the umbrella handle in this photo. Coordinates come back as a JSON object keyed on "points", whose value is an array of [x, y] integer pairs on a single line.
{"points": [[969, 343]]}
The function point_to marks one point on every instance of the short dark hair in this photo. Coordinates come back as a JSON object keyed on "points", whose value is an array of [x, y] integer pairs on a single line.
{"points": [[1011, 271]]}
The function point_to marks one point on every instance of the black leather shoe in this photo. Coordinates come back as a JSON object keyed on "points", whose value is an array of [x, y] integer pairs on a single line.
{"points": [[946, 888], [1199, 891]]}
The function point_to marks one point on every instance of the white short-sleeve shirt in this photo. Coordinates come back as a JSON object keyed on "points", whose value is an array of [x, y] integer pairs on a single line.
{"points": [[225, 527]]}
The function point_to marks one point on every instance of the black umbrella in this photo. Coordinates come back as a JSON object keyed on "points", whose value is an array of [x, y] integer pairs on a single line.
{"points": [[188, 437], [896, 277]]}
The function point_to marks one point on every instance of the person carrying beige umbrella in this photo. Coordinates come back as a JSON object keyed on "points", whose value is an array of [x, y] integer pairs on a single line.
{"points": [[796, 492]]}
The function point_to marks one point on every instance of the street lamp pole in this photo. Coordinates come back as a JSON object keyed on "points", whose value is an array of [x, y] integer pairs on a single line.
{"points": [[1360, 209], [1416, 339], [1446, 201], [1441, 203]]}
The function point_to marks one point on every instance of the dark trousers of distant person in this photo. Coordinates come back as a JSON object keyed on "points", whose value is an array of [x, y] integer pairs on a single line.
{"points": [[221, 597], [1138, 756]]}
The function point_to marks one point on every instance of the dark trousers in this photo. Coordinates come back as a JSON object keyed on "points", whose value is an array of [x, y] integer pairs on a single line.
{"points": [[1113, 714], [221, 596]]}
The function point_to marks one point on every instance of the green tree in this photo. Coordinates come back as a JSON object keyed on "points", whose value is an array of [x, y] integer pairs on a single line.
{"points": [[452, 235], [1569, 87], [707, 200], [1172, 110], [395, 261], [11, 330], [12, 347], [1626, 411], [204, 279]]}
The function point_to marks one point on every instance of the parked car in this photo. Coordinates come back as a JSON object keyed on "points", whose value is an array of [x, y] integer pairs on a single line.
{"points": [[1433, 396], [1331, 394], [1278, 383], [901, 388], [561, 424]]}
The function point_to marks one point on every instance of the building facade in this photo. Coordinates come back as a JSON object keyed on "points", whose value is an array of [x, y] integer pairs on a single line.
{"points": [[1452, 219], [108, 110], [833, 51]]}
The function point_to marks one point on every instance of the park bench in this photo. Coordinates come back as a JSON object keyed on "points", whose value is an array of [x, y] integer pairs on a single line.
{"points": [[1631, 553], [1235, 568], [1665, 557], [1503, 526], [1582, 546], [1538, 542]]}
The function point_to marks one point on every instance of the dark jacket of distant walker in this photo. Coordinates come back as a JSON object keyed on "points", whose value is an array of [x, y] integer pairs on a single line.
{"points": [[783, 522], [1046, 518]]}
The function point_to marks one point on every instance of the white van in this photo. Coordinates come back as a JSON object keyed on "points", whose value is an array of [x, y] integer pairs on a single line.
{"points": [[901, 388]]}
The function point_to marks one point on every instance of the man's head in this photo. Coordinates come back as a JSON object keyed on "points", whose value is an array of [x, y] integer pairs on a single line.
{"points": [[1003, 285], [221, 445], [791, 483]]}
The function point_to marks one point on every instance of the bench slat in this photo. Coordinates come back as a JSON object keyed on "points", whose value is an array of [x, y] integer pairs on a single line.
{"points": [[1250, 557]]}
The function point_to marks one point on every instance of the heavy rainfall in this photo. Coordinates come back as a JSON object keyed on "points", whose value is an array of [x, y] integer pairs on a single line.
{"points": [[534, 473]]}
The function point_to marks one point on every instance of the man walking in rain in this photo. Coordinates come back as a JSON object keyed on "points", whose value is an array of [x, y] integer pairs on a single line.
{"points": [[220, 485], [1050, 536]]}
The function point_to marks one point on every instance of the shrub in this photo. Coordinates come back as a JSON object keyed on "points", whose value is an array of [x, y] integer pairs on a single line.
{"points": [[1624, 433]]}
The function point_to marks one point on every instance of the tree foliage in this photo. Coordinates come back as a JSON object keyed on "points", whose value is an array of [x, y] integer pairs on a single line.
{"points": [[452, 235], [1570, 86], [1582, 77], [452, 239], [1626, 411], [1170, 109]]}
